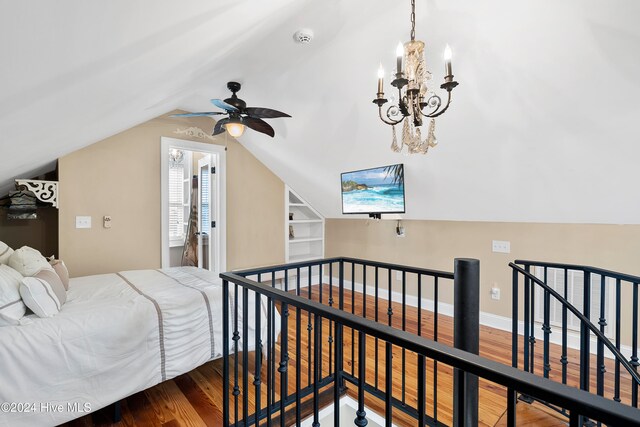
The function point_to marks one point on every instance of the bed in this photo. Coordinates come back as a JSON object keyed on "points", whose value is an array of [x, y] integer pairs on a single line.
{"points": [[116, 335]]}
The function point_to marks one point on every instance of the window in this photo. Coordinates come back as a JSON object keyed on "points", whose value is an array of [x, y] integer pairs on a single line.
{"points": [[179, 196], [205, 222]]}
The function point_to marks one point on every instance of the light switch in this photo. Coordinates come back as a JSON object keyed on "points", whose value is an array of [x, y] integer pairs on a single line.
{"points": [[83, 222], [501, 246], [106, 221]]}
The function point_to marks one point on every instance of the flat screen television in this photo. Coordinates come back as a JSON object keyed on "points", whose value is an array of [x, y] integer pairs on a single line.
{"points": [[374, 191]]}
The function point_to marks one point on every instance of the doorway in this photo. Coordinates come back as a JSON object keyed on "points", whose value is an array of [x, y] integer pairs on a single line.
{"points": [[193, 204]]}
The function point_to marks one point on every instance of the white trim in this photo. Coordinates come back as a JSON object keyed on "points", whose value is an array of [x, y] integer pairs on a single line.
{"points": [[45, 191], [347, 403], [486, 319], [176, 243], [217, 151]]}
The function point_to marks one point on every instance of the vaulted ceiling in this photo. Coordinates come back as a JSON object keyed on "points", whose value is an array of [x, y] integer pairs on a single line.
{"points": [[542, 128]]}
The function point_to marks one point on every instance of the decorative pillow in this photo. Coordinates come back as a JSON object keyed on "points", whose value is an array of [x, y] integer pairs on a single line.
{"points": [[38, 295], [61, 268], [28, 261], [11, 306], [5, 253], [54, 282]]}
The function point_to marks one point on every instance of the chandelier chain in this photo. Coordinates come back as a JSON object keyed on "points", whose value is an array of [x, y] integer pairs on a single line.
{"points": [[413, 20]]}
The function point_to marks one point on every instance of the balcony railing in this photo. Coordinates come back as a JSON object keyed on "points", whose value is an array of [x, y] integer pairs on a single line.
{"points": [[329, 320]]}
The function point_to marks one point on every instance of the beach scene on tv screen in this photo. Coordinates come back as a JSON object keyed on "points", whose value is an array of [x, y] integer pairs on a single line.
{"points": [[376, 190]]}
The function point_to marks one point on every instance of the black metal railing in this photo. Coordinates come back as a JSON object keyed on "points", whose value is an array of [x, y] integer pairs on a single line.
{"points": [[368, 289], [328, 321], [571, 295]]}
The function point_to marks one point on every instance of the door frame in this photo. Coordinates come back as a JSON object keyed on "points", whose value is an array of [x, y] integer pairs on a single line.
{"points": [[219, 157]]}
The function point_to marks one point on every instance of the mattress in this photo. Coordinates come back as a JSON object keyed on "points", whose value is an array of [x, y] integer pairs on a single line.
{"points": [[116, 335]]}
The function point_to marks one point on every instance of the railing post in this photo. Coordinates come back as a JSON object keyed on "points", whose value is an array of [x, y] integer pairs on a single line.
{"points": [[340, 362], [225, 353], [338, 383], [466, 336]]}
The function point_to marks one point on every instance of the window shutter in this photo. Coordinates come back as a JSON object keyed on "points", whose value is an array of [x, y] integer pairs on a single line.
{"points": [[205, 222], [176, 200]]}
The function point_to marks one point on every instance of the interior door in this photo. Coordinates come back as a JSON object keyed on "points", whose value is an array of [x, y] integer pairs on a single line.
{"points": [[207, 238]]}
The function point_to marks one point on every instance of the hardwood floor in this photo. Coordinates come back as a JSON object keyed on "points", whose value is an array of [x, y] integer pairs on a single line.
{"points": [[195, 398]]}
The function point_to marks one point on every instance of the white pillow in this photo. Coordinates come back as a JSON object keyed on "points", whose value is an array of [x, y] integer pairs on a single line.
{"points": [[28, 261], [38, 295], [5, 253], [12, 308], [54, 282]]}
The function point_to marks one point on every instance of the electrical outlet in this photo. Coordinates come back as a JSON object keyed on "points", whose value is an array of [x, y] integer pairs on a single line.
{"points": [[106, 221], [83, 222], [501, 246], [495, 293]]}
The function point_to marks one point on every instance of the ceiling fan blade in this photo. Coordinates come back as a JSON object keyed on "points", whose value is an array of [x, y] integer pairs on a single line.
{"points": [[221, 104], [210, 113], [265, 113], [219, 127], [258, 125]]}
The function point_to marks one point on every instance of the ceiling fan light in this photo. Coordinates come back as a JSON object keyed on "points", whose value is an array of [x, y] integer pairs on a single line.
{"points": [[235, 129]]}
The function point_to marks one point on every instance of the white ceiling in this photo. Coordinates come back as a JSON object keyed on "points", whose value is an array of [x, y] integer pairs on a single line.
{"points": [[542, 128]]}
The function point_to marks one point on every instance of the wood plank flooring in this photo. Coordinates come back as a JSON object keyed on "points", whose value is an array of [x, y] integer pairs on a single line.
{"points": [[195, 398]]}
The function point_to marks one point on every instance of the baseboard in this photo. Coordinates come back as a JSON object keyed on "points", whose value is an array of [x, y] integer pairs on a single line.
{"points": [[486, 319]]}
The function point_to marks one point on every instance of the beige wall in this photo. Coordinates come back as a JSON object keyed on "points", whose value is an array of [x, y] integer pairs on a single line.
{"points": [[120, 176], [434, 244]]}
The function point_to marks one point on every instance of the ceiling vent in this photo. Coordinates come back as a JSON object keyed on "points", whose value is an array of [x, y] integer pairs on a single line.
{"points": [[303, 36]]}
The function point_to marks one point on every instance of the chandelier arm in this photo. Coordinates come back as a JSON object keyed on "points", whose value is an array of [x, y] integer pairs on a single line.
{"points": [[440, 110], [390, 121]]}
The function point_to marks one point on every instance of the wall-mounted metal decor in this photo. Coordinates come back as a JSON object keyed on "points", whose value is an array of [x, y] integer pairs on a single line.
{"points": [[45, 191], [195, 132]]}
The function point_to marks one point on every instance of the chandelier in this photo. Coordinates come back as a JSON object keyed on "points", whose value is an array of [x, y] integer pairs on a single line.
{"points": [[416, 98]]}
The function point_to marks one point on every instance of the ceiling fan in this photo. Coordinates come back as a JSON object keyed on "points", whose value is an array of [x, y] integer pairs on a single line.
{"points": [[239, 115]]}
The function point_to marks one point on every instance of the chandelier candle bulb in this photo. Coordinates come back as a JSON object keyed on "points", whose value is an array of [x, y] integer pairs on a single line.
{"points": [[380, 80], [447, 61], [399, 54]]}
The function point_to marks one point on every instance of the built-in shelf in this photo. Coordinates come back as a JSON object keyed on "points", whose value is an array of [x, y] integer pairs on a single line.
{"points": [[308, 239], [307, 227], [303, 258]]}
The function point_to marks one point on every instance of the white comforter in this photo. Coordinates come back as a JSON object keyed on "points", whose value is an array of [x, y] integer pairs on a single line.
{"points": [[116, 335]]}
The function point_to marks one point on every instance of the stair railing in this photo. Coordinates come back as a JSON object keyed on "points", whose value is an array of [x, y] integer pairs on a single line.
{"points": [[587, 328]]}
